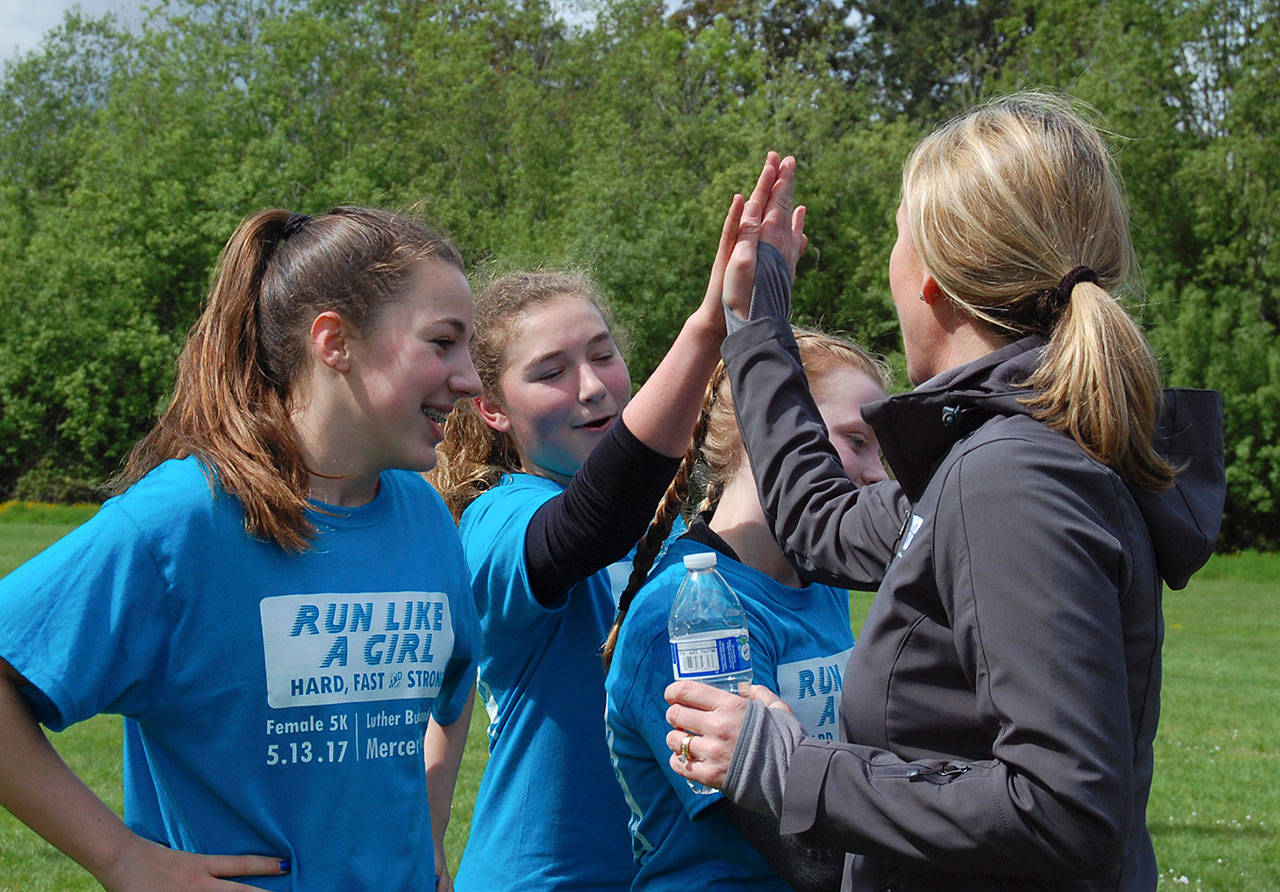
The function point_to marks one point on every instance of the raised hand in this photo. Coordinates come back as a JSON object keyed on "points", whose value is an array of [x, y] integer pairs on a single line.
{"points": [[664, 410], [740, 273], [715, 284], [767, 216], [783, 224]]}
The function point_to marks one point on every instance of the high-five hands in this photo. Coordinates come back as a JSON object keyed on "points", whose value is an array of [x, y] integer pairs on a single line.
{"points": [[767, 216]]}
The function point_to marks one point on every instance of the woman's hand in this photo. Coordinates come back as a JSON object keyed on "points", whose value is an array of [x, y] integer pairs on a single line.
{"points": [[665, 409], [729, 234], [783, 225], [707, 722], [768, 215], [709, 310], [38, 788]]}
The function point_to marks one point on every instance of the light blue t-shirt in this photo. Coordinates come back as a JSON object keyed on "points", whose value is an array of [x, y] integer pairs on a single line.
{"points": [[800, 642], [274, 703], [549, 814]]}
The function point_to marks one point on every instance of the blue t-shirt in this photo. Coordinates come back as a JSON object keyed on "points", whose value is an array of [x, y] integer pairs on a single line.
{"points": [[274, 702], [549, 814], [800, 642]]}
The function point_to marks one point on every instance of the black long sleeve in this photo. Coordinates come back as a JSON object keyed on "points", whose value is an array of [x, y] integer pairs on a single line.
{"points": [[598, 518]]}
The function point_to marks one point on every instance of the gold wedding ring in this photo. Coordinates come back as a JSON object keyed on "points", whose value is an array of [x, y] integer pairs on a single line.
{"points": [[684, 748]]}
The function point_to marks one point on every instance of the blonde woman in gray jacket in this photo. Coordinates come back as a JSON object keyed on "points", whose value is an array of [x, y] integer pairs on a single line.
{"points": [[1000, 707]]}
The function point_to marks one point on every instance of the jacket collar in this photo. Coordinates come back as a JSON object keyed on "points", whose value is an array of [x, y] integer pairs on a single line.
{"points": [[918, 428]]}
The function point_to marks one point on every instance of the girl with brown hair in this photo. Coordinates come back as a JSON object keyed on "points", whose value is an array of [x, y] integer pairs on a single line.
{"points": [[276, 684]]}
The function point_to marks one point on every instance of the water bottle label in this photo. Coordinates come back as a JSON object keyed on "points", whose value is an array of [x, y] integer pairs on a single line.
{"points": [[707, 655]]}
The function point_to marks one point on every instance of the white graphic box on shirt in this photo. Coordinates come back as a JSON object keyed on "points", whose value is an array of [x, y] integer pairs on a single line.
{"points": [[812, 690], [348, 648]]}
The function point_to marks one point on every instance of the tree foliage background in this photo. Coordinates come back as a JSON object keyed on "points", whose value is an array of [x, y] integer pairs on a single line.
{"points": [[610, 140]]}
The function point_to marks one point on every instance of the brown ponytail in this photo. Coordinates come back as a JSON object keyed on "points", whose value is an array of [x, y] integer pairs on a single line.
{"points": [[243, 356]]}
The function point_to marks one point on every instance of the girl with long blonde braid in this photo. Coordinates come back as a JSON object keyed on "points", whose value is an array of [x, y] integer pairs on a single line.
{"points": [[684, 836]]}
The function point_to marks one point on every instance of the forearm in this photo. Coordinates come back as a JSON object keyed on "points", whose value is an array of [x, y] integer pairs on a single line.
{"points": [[834, 531], [663, 412], [443, 748], [976, 817], [42, 791], [598, 517], [946, 812]]}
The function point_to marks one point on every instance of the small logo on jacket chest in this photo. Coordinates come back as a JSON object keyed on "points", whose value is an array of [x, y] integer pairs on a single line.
{"points": [[910, 528]]}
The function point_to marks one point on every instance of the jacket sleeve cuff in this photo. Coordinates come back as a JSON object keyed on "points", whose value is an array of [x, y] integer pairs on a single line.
{"points": [[756, 777], [748, 337], [806, 778]]}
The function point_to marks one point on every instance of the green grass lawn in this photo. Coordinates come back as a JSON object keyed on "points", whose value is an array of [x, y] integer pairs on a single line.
{"points": [[1215, 803]]}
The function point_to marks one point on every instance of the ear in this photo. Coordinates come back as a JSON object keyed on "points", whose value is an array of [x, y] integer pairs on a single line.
{"points": [[329, 341], [930, 291], [492, 413]]}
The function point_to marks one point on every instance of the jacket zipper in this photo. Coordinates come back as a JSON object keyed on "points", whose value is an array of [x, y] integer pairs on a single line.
{"points": [[942, 774]]}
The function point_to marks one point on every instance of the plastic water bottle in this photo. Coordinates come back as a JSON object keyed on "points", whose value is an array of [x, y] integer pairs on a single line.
{"points": [[707, 628]]}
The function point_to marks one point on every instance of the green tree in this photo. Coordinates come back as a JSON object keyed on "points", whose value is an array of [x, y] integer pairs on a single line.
{"points": [[611, 143], [1187, 88], [930, 59]]}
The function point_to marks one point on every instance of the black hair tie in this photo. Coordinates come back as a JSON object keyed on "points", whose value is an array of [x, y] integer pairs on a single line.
{"points": [[1067, 284], [293, 225]]}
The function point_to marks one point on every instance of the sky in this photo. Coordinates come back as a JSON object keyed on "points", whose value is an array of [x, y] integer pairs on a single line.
{"points": [[24, 22]]}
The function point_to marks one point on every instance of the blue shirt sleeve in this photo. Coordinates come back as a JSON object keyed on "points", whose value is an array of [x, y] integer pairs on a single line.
{"points": [[493, 532], [86, 622]]}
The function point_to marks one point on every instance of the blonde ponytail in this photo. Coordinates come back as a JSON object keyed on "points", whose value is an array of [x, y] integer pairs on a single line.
{"points": [[1098, 383], [1004, 203]]}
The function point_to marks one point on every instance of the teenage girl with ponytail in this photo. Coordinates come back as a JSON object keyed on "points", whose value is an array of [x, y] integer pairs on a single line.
{"points": [[683, 837], [1000, 707], [555, 471], [276, 683]]}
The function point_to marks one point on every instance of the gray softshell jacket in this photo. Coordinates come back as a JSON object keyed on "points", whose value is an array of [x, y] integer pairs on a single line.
{"points": [[1002, 698]]}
